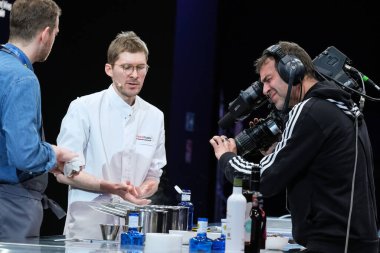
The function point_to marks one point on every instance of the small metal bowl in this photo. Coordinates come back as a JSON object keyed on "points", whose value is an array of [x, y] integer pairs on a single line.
{"points": [[109, 231]]}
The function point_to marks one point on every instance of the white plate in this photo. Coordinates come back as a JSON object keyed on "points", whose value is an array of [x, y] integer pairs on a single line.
{"points": [[187, 235], [276, 242]]}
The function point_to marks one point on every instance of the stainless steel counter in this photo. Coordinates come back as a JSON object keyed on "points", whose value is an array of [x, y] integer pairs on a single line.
{"points": [[55, 244], [58, 244]]}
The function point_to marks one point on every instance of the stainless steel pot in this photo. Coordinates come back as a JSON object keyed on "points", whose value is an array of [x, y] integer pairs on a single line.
{"points": [[177, 216], [153, 220], [160, 218]]}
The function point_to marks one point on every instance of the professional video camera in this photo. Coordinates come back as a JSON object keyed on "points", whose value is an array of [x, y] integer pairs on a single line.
{"points": [[247, 101], [262, 135], [331, 64], [265, 132]]}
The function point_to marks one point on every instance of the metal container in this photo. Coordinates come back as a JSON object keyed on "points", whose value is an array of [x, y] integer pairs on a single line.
{"points": [[153, 220], [178, 217], [148, 220], [160, 218]]}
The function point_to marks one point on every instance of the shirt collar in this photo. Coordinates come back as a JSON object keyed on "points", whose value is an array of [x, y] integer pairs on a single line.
{"points": [[19, 54], [117, 102]]}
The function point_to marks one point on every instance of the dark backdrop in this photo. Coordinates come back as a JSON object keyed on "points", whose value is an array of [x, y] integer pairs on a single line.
{"points": [[201, 56]]}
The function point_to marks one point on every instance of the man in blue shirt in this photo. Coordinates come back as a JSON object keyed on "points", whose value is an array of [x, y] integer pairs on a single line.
{"points": [[25, 158]]}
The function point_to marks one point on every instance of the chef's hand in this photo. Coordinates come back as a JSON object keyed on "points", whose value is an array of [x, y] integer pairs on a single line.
{"points": [[86, 181], [126, 191], [222, 144], [132, 194], [148, 188], [133, 199]]}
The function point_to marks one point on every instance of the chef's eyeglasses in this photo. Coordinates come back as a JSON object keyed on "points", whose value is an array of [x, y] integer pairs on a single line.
{"points": [[129, 69]]}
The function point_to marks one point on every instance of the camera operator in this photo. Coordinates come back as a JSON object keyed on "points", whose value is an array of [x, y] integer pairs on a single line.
{"points": [[324, 158]]}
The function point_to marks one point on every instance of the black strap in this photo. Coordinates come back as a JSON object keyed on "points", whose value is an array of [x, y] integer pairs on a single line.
{"points": [[54, 206]]}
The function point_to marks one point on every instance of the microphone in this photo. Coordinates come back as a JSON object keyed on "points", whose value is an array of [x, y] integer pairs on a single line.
{"points": [[118, 84], [242, 106], [364, 77]]}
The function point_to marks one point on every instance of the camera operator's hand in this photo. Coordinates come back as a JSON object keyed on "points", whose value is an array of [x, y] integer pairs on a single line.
{"points": [[222, 144], [254, 122]]}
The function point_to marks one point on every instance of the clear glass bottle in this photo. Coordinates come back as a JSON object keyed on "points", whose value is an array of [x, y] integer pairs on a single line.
{"points": [[219, 244], [201, 243], [236, 205], [132, 237], [186, 201]]}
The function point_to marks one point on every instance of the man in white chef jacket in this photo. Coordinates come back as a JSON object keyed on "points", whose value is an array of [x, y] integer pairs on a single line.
{"points": [[120, 139]]}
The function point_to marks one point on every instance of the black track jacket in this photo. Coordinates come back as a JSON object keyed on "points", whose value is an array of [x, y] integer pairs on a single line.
{"points": [[315, 162]]}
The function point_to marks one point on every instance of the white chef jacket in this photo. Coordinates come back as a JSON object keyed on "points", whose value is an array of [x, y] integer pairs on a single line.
{"points": [[117, 142]]}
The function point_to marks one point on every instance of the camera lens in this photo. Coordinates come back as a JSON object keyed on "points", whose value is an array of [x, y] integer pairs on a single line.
{"points": [[261, 136]]}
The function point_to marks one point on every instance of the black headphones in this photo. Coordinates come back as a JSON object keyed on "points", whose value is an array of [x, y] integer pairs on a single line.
{"points": [[287, 65]]}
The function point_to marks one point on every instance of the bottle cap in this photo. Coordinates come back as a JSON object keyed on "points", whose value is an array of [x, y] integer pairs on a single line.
{"points": [[202, 219], [238, 182], [133, 220], [186, 195]]}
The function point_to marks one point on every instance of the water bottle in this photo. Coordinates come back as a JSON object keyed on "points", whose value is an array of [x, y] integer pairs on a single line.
{"points": [[236, 205], [186, 201], [201, 243], [132, 237], [219, 244]]}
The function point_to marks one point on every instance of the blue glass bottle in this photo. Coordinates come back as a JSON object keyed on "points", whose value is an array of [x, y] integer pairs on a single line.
{"points": [[132, 238], [186, 201], [201, 243], [219, 244]]}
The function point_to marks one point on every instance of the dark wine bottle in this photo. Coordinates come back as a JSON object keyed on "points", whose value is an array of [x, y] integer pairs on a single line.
{"points": [[263, 223], [258, 224]]}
